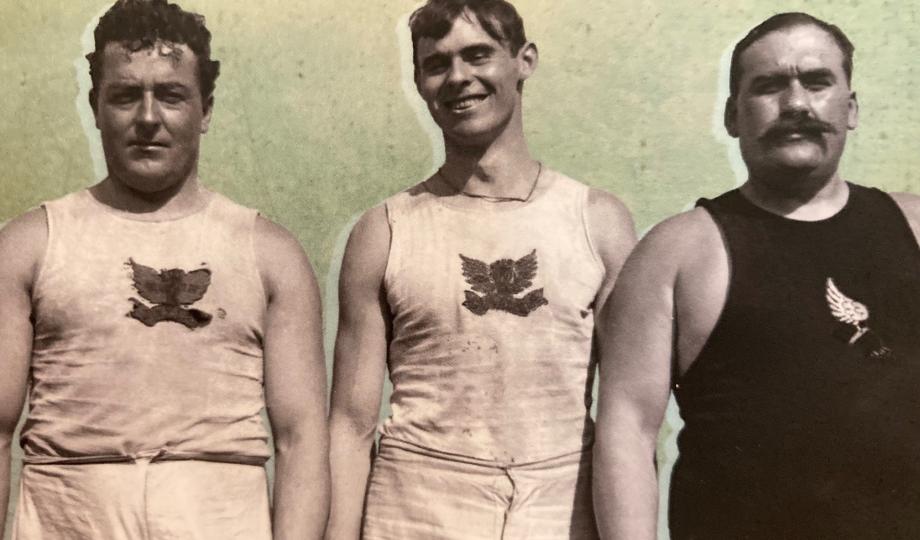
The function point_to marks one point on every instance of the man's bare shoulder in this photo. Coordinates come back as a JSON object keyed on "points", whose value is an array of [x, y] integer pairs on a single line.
{"points": [[371, 230], [29, 225], [610, 227], [909, 203], [368, 245], [608, 206], [275, 240], [280, 256], [682, 238], [22, 244]]}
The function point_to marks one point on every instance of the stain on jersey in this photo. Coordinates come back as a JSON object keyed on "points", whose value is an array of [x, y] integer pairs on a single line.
{"points": [[499, 282], [171, 292]]}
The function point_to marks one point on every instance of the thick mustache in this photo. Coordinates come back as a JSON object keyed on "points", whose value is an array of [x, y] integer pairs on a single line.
{"points": [[808, 126]]}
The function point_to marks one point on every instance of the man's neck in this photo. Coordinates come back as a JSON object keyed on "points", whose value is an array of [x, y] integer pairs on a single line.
{"points": [[501, 170], [809, 199], [182, 199]]}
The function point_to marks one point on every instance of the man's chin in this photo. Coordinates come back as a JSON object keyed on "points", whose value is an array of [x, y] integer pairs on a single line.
{"points": [[471, 134], [148, 182], [796, 159]]}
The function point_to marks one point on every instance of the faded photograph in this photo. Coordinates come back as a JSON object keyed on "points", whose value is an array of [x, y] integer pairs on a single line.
{"points": [[417, 210], [150, 320], [783, 316]]}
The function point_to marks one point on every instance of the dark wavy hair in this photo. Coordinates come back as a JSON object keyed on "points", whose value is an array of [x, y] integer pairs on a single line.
{"points": [[139, 24], [782, 21], [497, 17]]}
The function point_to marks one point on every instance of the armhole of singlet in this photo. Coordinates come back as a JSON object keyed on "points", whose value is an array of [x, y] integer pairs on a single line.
{"points": [[677, 377], [902, 219], [586, 230], [253, 256], [391, 261], [49, 237]]}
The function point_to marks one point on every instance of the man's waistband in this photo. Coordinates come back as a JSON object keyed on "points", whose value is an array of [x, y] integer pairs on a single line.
{"points": [[150, 456], [577, 455]]}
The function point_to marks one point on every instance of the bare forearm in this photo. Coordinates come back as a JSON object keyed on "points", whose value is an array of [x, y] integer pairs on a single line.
{"points": [[350, 460], [301, 492], [625, 490], [5, 458]]}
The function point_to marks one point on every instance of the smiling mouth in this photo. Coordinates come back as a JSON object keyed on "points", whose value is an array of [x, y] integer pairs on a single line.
{"points": [[465, 103]]}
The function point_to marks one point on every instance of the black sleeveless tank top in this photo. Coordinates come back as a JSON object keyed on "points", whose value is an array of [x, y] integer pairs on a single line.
{"points": [[802, 411]]}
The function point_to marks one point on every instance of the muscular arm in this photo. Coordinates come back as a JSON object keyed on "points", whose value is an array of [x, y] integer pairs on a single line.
{"points": [[22, 244], [613, 234], [360, 366], [636, 345], [295, 385]]}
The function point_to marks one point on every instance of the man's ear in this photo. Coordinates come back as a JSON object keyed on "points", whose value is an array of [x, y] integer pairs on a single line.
{"points": [[528, 58], [731, 116], [208, 108], [853, 113], [93, 106]]}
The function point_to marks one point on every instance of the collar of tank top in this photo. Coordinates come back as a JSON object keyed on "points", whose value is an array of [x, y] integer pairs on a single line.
{"points": [[490, 198]]}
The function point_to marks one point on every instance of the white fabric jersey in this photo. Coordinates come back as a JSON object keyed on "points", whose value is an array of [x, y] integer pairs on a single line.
{"points": [[148, 337], [492, 308]]}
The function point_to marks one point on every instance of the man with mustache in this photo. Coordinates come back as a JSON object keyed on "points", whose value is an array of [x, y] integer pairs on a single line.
{"points": [[784, 316], [478, 289], [152, 320]]}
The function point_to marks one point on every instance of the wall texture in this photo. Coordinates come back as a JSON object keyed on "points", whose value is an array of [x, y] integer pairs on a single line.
{"points": [[316, 117]]}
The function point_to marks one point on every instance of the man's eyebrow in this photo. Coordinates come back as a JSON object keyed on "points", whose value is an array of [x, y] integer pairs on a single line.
{"points": [[171, 85], [817, 73], [122, 85], [779, 76], [469, 49], [433, 57], [477, 48]]}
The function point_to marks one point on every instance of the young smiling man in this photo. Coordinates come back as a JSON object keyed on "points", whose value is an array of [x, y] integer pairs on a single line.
{"points": [[784, 315], [147, 315], [478, 289]]}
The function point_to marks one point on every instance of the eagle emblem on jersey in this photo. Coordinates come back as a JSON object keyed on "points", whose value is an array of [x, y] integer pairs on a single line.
{"points": [[170, 292], [499, 282], [851, 312]]}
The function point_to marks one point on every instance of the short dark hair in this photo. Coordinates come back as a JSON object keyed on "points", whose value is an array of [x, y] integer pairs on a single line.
{"points": [[497, 17], [783, 21], [139, 24]]}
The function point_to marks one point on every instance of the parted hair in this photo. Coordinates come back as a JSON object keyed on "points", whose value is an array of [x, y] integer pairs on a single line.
{"points": [[782, 21]]}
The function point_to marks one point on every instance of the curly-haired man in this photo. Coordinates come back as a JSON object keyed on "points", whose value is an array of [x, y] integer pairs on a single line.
{"points": [[145, 314]]}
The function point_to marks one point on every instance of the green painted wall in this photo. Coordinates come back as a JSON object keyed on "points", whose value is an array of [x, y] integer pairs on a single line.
{"points": [[316, 117]]}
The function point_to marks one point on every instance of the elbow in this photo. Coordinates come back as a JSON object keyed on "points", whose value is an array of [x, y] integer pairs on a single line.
{"points": [[355, 428], [291, 440]]}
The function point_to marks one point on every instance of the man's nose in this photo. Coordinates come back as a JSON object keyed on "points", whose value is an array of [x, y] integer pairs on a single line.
{"points": [[795, 99], [148, 112], [459, 71]]}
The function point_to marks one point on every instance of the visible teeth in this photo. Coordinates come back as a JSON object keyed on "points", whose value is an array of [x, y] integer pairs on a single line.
{"points": [[465, 103]]}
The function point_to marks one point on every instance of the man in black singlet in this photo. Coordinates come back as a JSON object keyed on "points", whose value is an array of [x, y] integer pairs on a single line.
{"points": [[784, 316]]}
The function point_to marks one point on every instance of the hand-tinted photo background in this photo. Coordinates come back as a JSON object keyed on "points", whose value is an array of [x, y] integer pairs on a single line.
{"points": [[316, 117]]}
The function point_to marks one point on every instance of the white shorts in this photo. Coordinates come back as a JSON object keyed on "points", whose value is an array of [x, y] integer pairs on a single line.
{"points": [[143, 500], [415, 495]]}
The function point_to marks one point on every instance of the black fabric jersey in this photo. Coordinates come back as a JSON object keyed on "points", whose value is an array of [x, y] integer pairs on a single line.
{"points": [[802, 410]]}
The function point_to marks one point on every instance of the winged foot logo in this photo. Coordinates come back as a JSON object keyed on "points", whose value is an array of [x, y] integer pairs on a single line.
{"points": [[851, 312], [170, 291], [499, 282]]}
